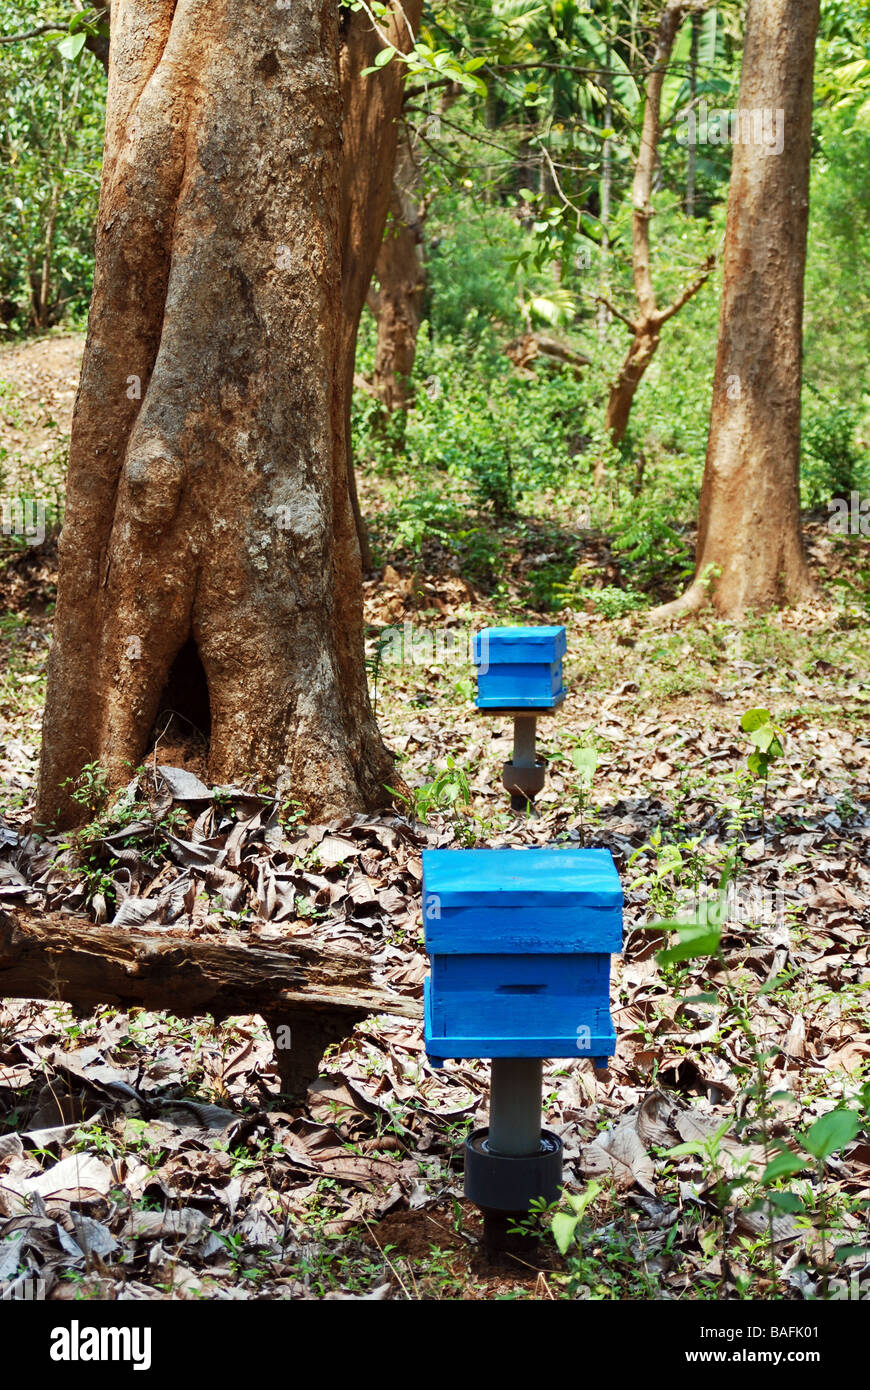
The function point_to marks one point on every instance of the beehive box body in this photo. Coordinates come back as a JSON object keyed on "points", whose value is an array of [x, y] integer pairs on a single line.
{"points": [[520, 944], [519, 667]]}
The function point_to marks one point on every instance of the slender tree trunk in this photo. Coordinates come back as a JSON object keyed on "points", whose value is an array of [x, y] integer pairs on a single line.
{"points": [[98, 44], [40, 289], [208, 516], [750, 553], [41, 292], [606, 184], [370, 129], [646, 325], [693, 89], [397, 303], [43, 308], [398, 306]]}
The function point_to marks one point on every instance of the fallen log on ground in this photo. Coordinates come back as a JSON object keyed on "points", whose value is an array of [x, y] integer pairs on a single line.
{"points": [[523, 351], [310, 995]]}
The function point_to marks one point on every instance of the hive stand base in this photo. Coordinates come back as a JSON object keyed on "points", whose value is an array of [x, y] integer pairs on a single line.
{"points": [[500, 1236], [514, 1161], [524, 776]]}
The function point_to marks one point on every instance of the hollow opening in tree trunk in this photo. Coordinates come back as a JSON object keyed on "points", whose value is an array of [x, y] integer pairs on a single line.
{"points": [[184, 711]]}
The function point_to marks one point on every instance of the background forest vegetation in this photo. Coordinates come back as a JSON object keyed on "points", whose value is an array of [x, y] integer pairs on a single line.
{"points": [[492, 490]]}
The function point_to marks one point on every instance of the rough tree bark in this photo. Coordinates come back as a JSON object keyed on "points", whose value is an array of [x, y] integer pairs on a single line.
{"points": [[55, 956], [647, 324], [372, 108], [397, 303], [750, 552], [208, 515]]}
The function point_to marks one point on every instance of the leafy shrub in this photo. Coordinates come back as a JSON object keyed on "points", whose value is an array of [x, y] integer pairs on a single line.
{"points": [[429, 515], [467, 255], [476, 419], [654, 548], [609, 601], [831, 464], [50, 158]]}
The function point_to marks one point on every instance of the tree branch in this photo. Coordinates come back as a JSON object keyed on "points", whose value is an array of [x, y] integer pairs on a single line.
{"points": [[98, 44], [410, 93], [34, 33], [617, 313], [664, 314]]}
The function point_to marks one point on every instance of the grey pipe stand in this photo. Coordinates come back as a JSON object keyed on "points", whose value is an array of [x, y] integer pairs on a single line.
{"points": [[524, 776], [514, 1161], [515, 1105]]}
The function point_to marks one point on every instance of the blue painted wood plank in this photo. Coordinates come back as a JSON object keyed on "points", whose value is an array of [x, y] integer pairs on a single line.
{"points": [[508, 930], [503, 686], [497, 645], [520, 943], [508, 703], [598, 1043], [519, 998], [529, 878], [519, 667]]}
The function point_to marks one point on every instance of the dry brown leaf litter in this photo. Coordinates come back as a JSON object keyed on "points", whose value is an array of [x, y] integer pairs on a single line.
{"points": [[142, 1157]]}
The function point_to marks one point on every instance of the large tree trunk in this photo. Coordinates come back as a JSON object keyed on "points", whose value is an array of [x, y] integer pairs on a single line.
{"points": [[397, 303], [208, 514], [749, 552], [372, 107], [647, 323]]}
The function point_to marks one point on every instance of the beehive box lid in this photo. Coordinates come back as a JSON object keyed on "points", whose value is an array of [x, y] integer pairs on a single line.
{"points": [[533, 878], [509, 645]]}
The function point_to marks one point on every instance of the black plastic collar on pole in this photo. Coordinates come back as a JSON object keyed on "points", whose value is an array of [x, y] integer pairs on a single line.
{"points": [[510, 1183], [504, 1187]]}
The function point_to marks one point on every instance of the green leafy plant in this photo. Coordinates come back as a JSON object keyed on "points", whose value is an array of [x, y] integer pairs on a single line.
{"points": [[825, 1137], [118, 824], [585, 760], [90, 789], [449, 791], [678, 869], [699, 929], [699, 933], [609, 601], [831, 463], [567, 1226], [721, 1180], [601, 1264], [766, 738]]}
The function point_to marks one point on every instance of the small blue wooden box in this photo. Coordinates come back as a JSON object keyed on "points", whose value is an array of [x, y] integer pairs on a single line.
{"points": [[520, 942], [519, 667]]}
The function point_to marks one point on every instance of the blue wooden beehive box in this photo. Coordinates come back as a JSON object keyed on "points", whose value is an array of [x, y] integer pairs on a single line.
{"points": [[519, 667], [520, 942]]}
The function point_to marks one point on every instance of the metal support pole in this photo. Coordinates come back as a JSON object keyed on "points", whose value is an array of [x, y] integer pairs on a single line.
{"points": [[525, 726], [514, 1133], [515, 1105], [514, 1160], [523, 788]]}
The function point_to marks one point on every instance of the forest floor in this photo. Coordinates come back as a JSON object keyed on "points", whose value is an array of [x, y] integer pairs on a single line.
{"points": [[143, 1156]]}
